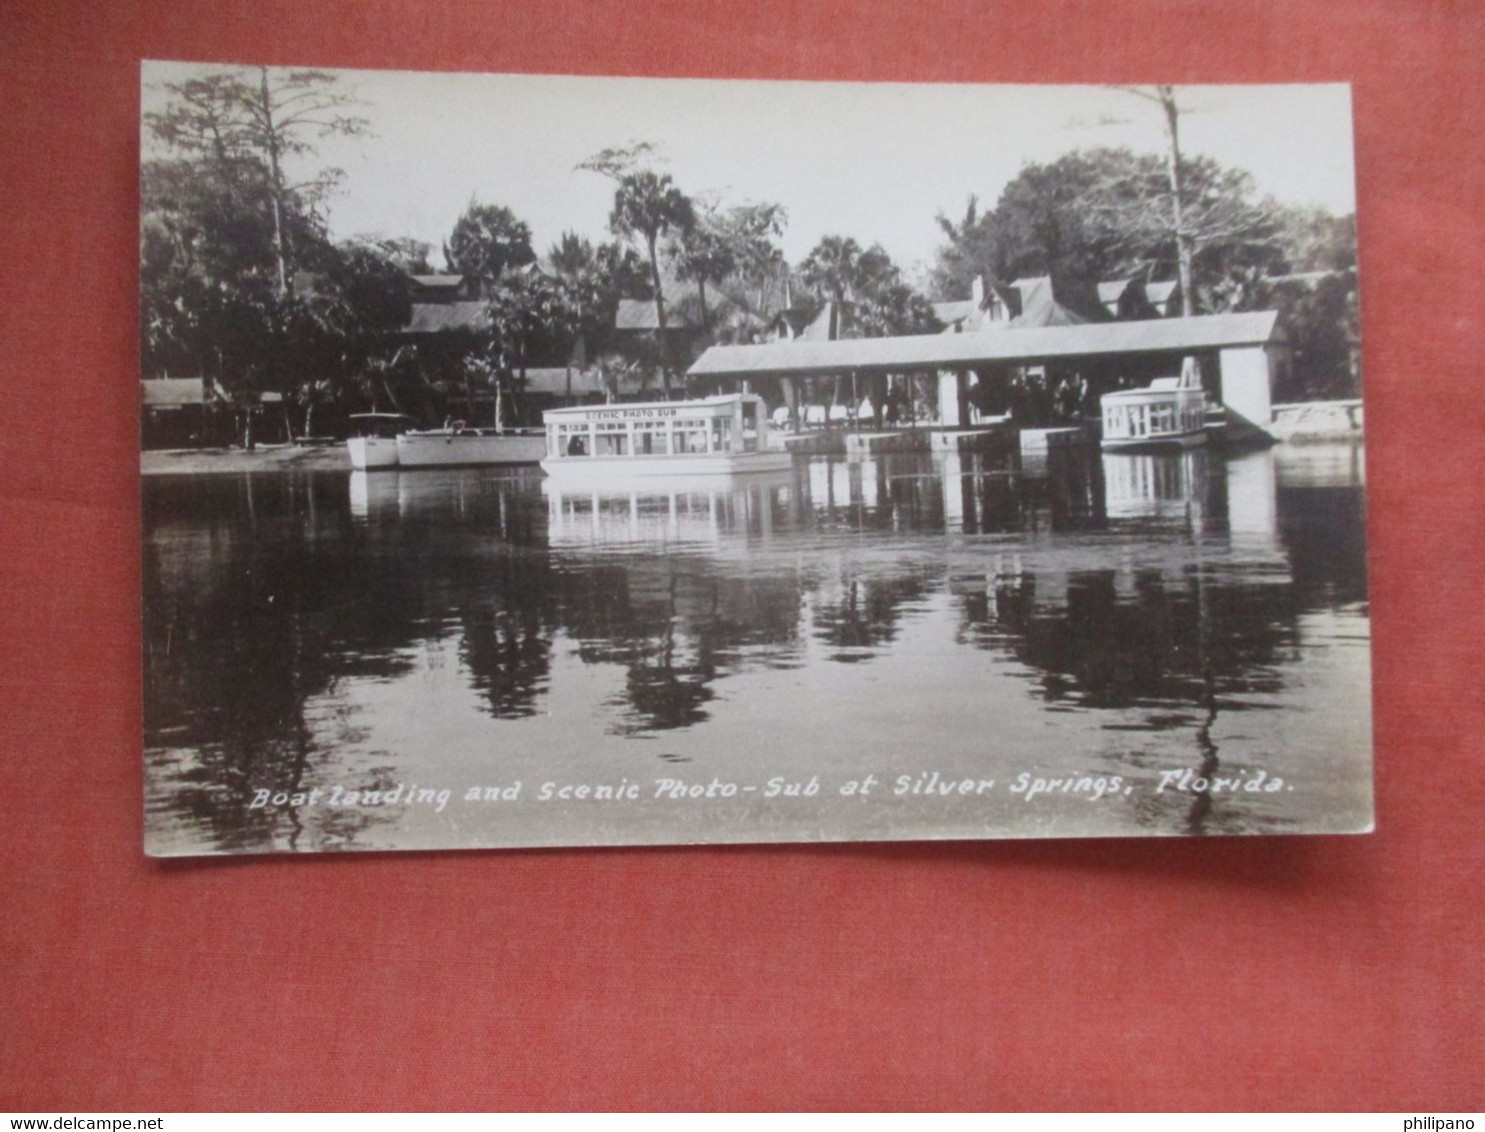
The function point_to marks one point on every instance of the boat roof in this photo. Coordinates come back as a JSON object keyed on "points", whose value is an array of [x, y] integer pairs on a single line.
{"points": [[716, 399], [379, 416], [1152, 390]]}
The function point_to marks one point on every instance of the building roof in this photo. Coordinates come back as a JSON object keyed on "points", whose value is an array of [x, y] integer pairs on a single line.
{"points": [[957, 351], [639, 314], [960, 310], [1050, 301], [438, 280], [431, 318], [553, 381], [173, 392]]}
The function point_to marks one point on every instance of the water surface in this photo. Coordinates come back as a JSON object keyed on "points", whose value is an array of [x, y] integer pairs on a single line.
{"points": [[1097, 645]]}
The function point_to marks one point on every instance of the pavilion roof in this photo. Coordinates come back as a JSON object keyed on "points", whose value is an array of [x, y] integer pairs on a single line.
{"points": [[954, 351]]}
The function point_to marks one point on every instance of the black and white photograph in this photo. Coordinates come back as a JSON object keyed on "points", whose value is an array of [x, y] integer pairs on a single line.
{"points": [[536, 461]]}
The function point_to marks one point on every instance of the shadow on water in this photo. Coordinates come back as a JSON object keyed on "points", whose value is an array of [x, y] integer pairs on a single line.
{"points": [[1153, 592]]}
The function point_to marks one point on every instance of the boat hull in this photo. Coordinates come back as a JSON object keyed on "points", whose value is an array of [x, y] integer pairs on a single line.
{"points": [[371, 452], [1171, 442], [603, 470], [444, 450]]}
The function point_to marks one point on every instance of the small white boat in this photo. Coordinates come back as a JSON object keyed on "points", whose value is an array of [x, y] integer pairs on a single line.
{"points": [[717, 436], [458, 445], [1165, 414], [373, 440]]}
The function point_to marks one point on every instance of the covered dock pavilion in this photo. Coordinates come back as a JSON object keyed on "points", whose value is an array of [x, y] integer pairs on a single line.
{"points": [[1250, 349]]}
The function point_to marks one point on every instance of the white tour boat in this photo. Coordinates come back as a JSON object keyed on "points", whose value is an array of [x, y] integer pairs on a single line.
{"points": [[726, 435], [1165, 414]]}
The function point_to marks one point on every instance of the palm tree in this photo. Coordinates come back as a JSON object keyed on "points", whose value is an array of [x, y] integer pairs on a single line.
{"points": [[648, 205], [521, 306], [832, 267], [487, 241], [703, 255], [577, 280]]}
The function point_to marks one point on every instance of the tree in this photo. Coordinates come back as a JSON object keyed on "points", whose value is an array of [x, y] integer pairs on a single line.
{"points": [[522, 308], [578, 286], [762, 272], [411, 255], [736, 243], [1222, 231], [487, 241], [703, 254], [969, 253], [1320, 300], [1201, 204], [587, 282], [830, 269], [361, 301], [751, 232], [1049, 219], [225, 232], [1105, 213], [647, 206], [247, 125], [882, 302]]}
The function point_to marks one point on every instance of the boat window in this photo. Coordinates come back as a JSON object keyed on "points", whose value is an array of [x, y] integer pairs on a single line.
{"points": [[651, 438], [722, 434], [572, 439], [611, 438], [651, 442]]}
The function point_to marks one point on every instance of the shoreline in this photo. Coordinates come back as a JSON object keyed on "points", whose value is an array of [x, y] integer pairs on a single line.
{"points": [[264, 458]]}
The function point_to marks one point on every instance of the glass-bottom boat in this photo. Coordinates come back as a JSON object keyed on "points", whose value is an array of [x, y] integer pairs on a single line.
{"points": [[727, 435], [1165, 414]]}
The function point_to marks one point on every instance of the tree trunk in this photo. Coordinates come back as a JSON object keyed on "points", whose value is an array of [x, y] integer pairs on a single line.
{"points": [[1191, 365], [659, 318], [1178, 199], [276, 190]]}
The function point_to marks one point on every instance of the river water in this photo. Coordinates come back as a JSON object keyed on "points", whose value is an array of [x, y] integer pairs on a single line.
{"points": [[906, 647]]}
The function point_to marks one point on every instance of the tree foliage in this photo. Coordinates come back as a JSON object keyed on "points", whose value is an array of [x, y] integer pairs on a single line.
{"points": [[736, 246], [881, 301], [588, 280], [487, 241], [648, 206], [1105, 214], [239, 280], [245, 126]]}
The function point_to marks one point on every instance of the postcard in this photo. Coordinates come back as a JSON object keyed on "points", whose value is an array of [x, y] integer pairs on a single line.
{"points": [[556, 461]]}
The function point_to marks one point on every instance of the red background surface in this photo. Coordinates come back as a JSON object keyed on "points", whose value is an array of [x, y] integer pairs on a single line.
{"points": [[1329, 972]]}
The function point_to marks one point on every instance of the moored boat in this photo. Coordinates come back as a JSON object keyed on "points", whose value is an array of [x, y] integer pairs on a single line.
{"points": [[373, 440], [1165, 414], [388, 440], [725, 435], [458, 445]]}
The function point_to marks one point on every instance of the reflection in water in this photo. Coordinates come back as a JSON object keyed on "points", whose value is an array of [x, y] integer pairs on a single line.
{"points": [[1110, 614]]}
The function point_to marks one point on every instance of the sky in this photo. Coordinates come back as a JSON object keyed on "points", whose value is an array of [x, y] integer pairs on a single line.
{"points": [[874, 161]]}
